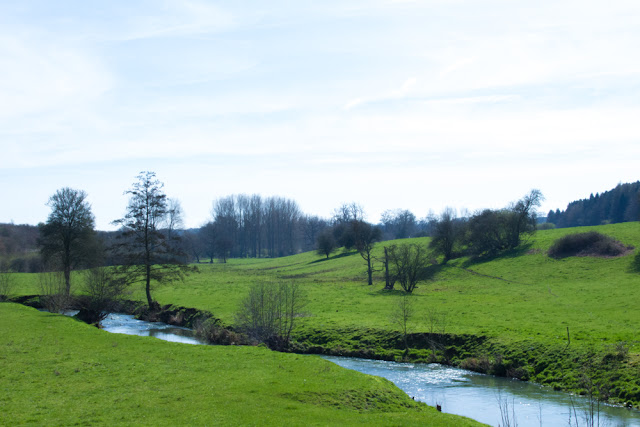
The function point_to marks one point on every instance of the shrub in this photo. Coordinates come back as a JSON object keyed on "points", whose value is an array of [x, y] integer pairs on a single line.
{"points": [[6, 284], [268, 313], [590, 243], [214, 333]]}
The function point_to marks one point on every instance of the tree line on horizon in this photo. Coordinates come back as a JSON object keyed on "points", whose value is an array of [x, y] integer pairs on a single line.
{"points": [[620, 204], [242, 226]]}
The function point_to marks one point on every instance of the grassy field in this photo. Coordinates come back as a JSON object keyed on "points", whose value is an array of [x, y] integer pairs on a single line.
{"points": [[55, 370], [516, 307]]}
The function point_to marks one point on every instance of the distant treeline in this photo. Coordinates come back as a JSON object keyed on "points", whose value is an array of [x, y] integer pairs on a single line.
{"points": [[622, 204], [240, 226], [253, 226]]}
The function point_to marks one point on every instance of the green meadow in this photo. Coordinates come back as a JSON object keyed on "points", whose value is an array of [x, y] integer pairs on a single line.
{"points": [[558, 322], [55, 370]]}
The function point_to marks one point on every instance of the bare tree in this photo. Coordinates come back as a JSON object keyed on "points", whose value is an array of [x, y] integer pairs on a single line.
{"points": [[408, 262], [401, 317], [67, 239], [207, 236], [268, 313], [366, 236], [389, 278], [437, 323], [6, 283], [174, 220], [145, 254], [53, 295], [523, 217]]}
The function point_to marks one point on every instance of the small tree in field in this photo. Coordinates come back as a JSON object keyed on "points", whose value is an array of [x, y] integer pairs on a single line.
{"points": [[408, 262], [326, 243], [145, 254], [366, 236], [401, 316]]}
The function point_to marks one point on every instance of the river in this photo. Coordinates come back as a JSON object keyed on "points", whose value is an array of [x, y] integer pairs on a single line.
{"points": [[460, 392]]}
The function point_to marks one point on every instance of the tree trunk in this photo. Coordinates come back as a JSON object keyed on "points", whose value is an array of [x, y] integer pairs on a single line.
{"points": [[67, 280], [148, 287]]}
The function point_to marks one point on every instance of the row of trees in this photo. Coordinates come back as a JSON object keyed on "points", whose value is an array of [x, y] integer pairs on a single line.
{"points": [[485, 233], [252, 226], [620, 204], [146, 249], [151, 245]]}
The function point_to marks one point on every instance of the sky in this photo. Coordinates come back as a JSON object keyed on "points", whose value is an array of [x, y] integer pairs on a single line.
{"points": [[416, 105]]}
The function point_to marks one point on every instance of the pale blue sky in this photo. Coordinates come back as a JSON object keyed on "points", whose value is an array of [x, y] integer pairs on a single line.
{"points": [[392, 104]]}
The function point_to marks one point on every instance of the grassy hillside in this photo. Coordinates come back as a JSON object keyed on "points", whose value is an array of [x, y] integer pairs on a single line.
{"points": [[58, 371], [510, 313]]}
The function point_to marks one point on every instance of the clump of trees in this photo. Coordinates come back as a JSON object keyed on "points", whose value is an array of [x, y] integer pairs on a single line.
{"points": [[253, 226], [487, 232], [408, 263], [590, 243], [447, 234]]}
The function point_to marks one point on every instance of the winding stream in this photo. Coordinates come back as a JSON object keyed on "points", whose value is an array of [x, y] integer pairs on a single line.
{"points": [[480, 396], [458, 391]]}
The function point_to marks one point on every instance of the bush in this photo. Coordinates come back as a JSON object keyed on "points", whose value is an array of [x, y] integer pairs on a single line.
{"points": [[214, 333], [590, 243], [268, 313], [6, 284]]}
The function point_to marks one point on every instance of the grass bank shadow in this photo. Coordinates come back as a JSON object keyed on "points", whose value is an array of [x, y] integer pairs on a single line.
{"points": [[340, 255], [635, 264], [511, 253]]}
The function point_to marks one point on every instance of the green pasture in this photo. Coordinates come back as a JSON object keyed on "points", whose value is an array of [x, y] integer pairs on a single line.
{"points": [[518, 305], [521, 295], [55, 370]]}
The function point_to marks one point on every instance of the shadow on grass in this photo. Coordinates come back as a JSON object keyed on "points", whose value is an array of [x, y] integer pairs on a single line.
{"points": [[340, 255], [511, 253], [635, 264]]}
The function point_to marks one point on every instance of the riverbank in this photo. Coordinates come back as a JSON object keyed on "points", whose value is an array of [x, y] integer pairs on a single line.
{"points": [[58, 371], [609, 375]]}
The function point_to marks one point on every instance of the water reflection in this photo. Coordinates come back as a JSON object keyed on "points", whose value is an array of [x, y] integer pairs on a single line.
{"points": [[127, 324], [480, 396]]}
